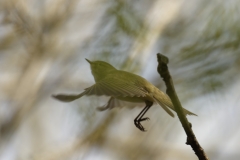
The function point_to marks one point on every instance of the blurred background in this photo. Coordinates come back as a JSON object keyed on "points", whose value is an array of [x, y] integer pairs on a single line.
{"points": [[43, 46]]}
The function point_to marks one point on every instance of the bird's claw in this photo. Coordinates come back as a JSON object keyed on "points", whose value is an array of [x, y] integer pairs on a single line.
{"points": [[144, 119], [139, 125]]}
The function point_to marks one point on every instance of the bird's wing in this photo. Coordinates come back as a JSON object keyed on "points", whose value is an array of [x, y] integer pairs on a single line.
{"points": [[67, 97], [113, 102], [113, 87], [116, 88]]}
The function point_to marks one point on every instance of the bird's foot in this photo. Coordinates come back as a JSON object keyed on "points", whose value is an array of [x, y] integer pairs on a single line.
{"points": [[144, 119], [138, 124]]}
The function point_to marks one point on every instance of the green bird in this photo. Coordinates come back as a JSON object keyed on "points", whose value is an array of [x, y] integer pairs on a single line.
{"points": [[123, 86]]}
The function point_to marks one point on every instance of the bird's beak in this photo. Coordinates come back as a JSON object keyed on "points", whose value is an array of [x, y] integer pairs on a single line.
{"points": [[88, 61]]}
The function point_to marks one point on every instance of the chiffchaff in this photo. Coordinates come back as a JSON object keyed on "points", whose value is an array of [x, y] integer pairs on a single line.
{"points": [[123, 86]]}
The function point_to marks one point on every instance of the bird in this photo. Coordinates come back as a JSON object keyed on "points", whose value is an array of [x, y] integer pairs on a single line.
{"points": [[124, 86]]}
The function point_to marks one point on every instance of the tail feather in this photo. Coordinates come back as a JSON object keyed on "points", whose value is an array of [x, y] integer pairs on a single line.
{"points": [[187, 112], [164, 101], [163, 106]]}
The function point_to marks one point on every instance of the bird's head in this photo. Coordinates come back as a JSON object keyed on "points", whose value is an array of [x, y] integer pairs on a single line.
{"points": [[100, 69]]}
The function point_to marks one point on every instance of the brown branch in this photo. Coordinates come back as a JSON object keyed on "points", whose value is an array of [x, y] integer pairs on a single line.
{"points": [[191, 139]]}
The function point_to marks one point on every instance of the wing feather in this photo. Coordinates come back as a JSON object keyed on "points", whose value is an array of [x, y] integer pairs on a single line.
{"points": [[116, 88]]}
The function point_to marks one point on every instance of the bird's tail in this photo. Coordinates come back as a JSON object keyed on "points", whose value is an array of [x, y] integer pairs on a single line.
{"points": [[165, 102], [162, 103], [68, 97]]}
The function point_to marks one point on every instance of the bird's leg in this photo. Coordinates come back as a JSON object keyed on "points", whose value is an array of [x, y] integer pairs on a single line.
{"points": [[148, 105], [140, 114], [136, 120], [139, 118]]}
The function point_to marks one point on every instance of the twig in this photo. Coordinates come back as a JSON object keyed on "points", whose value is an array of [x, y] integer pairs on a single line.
{"points": [[191, 139]]}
